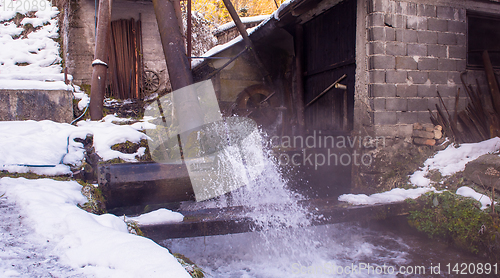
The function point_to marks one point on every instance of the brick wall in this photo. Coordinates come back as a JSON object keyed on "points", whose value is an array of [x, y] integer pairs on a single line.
{"points": [[415, 50]]}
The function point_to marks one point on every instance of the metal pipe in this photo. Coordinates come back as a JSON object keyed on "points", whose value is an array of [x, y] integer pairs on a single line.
{"points": [[326, 90], [99, 66]]}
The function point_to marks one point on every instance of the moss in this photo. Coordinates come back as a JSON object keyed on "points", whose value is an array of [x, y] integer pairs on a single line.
{"points": [[133, 227], [435, 176], [33, 176], [190, 266], [130, 147], [114, 161], [459, 221], [95, 200], [393, 165]]}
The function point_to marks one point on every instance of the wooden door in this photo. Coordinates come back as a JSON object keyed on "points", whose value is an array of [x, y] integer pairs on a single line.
{"points": [[329, 52]]}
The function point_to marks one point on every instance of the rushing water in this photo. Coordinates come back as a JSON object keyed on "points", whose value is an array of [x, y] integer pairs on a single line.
{"points": [[285, 244], [335, 249]]}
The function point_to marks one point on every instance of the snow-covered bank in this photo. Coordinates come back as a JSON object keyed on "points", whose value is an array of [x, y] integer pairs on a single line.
{"points": [[392, 196], [32, 61], [448, 162], [453, 159], [27, 145], [80, 242]]}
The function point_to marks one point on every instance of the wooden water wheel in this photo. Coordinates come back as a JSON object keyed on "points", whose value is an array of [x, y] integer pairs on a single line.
{"points": [[258, 102]]}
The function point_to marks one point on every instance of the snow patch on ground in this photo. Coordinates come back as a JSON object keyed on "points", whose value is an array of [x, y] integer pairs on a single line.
{"points": [[23, 253], [469, 192], [48, 148], [160, 216], [394, 195], [447, 162], [32, 61], [453, 159], [80, 242]]}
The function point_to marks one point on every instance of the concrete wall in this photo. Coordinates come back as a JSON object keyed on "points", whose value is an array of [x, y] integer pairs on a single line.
{"points": [[80, 32], [16, 105], [414, 49]]}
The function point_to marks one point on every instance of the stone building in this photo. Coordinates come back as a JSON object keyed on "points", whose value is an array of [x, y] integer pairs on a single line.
{"points": [[397, 56], [78, 31]]}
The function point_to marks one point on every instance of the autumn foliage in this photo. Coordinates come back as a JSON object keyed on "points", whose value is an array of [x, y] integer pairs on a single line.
{"points": [[215, 12]]}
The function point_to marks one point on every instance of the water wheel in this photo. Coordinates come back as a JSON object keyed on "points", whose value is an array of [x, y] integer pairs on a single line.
{"points": [[258, 102], [151, 81]]}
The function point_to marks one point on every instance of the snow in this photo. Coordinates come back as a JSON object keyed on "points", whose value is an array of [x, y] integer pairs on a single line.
{"points": [[469, 192], [160, 216], [83, 97], [215, 50], [27, 145], [448, 162], [84, 243], [244, 20], [453, 159], [32, 59], [392, 196]]}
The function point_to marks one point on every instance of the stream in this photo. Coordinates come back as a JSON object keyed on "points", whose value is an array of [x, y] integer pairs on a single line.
{"points": [[340, 250]]}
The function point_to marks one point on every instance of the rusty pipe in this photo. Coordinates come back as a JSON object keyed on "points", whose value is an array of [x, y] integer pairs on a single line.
{"points": [[99, 66]]}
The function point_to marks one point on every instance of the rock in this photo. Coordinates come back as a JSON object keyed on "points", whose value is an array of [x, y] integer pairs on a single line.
{"points": [[485, 171]]}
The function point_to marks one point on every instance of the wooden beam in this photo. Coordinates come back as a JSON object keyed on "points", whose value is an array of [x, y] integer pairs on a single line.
{"points": [[99, 65], [298, 92], [223, 221]]}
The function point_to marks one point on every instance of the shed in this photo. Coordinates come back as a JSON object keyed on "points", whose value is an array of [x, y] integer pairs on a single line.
{"points": [[397, 56]]}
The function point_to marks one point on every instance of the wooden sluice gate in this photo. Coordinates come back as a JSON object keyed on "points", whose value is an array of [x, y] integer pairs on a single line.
{"points": [[224, 221], [129, 188]]}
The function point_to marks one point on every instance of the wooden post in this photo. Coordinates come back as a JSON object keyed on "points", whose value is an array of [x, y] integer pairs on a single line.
{"points": [[99, 65], [299, 90], [246, 39], [188, 32], [492, 81], [188, 110]]}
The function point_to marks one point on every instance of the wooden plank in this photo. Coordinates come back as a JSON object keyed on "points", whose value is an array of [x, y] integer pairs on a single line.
{"points": [[141, 184], [492, 81], [229, 220]]}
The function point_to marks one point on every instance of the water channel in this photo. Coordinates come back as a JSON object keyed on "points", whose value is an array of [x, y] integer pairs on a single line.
{"points": [[287, 245]]}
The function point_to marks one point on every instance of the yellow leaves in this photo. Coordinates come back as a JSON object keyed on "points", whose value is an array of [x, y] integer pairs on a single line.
{"points": [[216, 12]]}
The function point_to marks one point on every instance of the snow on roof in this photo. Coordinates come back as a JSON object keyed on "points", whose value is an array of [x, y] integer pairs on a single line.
{"points": [[32, 59], [219, 48], [244, 20]]}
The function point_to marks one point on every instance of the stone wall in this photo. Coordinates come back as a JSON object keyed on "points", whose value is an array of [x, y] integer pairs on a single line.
{"points": [[55, 105], [415, 49]]}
